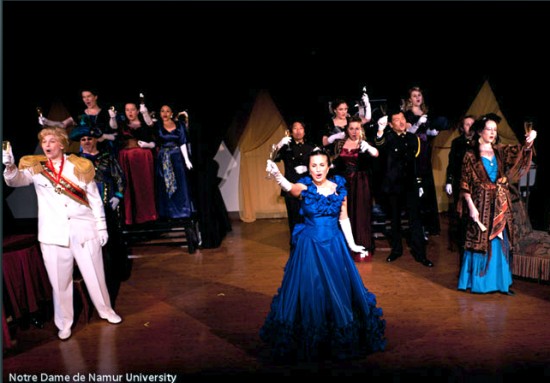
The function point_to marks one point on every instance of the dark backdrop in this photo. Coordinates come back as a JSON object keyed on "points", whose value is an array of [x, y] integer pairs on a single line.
{"points": [[211, 57]]}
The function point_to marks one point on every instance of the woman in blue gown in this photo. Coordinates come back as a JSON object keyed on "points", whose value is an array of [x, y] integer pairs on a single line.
{"points": [[487, 171], [322, 309], [173, 164]]}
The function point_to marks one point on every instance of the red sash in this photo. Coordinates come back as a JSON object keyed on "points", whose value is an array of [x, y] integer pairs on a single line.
{"points": [[64, 186]]}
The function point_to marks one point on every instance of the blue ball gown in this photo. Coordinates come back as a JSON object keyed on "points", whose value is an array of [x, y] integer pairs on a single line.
{"points": [[322, 309], [481, 273]]}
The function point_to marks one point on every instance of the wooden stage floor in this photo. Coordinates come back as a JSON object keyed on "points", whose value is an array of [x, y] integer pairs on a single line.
{"points": [[198, 316]]}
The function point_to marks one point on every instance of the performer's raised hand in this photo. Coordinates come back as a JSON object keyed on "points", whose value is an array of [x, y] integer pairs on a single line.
{"points": [[284, 141]]}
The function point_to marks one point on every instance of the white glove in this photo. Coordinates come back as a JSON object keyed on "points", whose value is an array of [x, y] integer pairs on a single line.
{"points": [[337, 136], [382, 123], [7, 157], [185, 115], [284, 141], [45, 122], [432, 132], [366, 147], [420, 192], [274, 171], [114, 202], [107, 136], [449, 189], [531, 136], [112, 113], [422, 119], [346, 229], [103, 237], [145, 113], [147, 145], [188, 163], [300, 169], [365, 98]]}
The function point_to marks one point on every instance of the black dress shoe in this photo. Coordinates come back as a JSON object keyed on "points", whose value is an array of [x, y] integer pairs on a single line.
{"points": [[426, 262], [392, 257]]}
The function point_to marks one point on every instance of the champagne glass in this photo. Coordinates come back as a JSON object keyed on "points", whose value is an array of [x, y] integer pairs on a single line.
{"points": [[272, 155], [287, 134]]}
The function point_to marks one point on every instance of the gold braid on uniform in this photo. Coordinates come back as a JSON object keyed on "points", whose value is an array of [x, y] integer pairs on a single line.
{"points": [[84, 169], [32, 162]]}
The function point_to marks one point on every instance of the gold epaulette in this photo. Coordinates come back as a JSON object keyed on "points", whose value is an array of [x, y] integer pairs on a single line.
{"points": [[32, 162], [84, 169]]}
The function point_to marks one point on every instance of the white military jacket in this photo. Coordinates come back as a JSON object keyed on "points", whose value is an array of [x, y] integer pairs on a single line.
{"points": [[61, 215]]}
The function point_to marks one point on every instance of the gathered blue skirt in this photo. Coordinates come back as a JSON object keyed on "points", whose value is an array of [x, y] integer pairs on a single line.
{"points": [[322, 309]]}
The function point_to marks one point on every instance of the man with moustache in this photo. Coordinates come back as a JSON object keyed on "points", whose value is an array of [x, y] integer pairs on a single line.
{"points": [[401, 184]]}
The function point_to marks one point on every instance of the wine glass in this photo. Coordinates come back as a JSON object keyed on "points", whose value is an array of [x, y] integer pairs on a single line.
{"points": [[272, 155]]}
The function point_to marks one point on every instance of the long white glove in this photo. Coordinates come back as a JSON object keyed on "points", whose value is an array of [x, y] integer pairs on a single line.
{"points": [[145, 113], [530, 137], [273, 169], [107, 136], [103, 237], [284, 141], [114, 202], [382, 123], [147, 145], [112, 120], [7, 157], [366, 147], [449, 189], [337, 136], [432, 132], [345, 224], [422, 120], [45, 122], [188, 163], [365, 111]]}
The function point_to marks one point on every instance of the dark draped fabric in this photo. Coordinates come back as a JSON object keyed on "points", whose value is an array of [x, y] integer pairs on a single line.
{"points": [[213, 219]]}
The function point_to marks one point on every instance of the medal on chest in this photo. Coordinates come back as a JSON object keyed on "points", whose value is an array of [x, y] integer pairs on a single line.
{"points": [[58, 187]]}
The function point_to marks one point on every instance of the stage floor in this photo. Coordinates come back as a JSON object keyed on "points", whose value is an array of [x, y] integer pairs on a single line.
{"points": [[198, 317]]}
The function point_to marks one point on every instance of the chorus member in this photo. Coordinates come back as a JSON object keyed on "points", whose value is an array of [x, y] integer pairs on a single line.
{"points": [[400, 185], [352, 161], [136, 143], [111, 184], [459, 146], [294, 152]]}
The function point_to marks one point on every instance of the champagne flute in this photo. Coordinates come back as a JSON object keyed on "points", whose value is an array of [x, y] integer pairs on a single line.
{"points": [[272, 155]]}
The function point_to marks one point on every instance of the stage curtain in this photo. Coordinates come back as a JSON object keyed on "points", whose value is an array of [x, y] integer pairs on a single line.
{"points": [[260, 197]]}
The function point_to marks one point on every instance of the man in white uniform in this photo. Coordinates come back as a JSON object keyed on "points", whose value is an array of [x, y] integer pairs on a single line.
{"points": [[71, 222]]}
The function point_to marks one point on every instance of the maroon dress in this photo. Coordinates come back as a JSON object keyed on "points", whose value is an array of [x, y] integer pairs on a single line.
{"points": [[350, 164], [138, 167]]}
